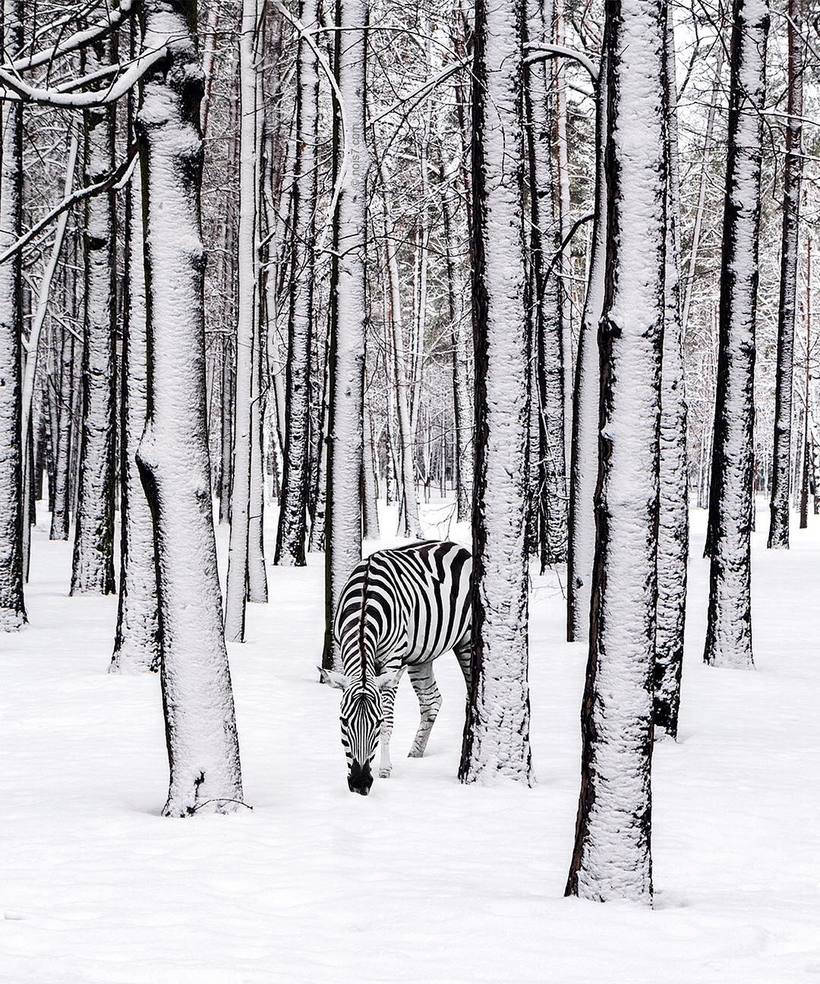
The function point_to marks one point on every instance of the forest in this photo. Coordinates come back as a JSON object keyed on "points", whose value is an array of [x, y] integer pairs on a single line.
{"points": [[338, 336]]}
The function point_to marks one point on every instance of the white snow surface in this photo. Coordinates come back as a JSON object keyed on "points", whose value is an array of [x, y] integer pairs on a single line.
{"points": [[426, 879]]}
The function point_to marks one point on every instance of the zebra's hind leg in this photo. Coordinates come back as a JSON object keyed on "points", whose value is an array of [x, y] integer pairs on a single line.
{"points": [[388, 701], [424, 683], [464, 654]]}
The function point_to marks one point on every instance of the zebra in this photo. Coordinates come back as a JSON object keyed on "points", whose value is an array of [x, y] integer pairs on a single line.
{"points": [[400, 608]]}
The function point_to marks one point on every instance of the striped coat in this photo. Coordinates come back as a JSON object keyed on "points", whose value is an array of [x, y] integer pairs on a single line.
{"points": [[401, 608]]}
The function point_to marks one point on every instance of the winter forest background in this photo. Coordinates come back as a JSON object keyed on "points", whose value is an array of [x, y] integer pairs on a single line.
{"points": [[286, 283]]}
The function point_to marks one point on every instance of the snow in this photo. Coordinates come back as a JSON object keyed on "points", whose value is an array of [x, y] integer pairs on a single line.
{"points": [[425, 879]]}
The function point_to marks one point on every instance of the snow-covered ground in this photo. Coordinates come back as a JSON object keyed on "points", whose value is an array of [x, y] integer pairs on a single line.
{"points": [[424, 880]]}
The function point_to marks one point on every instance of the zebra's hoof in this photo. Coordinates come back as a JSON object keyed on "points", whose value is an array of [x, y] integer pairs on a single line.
{"points": [[384, 773], [415, 753]]}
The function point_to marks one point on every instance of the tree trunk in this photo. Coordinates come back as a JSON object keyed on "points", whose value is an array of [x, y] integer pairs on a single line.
{"points": [[343, 547], [409, 524], [93, 567], [673, 509], [200, 727], [731, 503], [792, 181], [496, 731], [62, 462], [370, 496], [136, 643], [612, 857], [585, 407], [292, 533], [236, 587], [461, 399], [12, 606]]}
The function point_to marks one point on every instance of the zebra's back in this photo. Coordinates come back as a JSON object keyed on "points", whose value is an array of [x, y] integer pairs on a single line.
{"points": [[412, 601]]}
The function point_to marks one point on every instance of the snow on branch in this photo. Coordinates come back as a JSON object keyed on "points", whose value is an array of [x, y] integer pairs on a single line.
{"points": [[114, 180], [539, 52], [64, 97], [116, 15]]}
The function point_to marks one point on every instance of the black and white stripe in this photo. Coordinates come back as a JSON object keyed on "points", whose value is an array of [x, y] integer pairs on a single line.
{"points": [[400, 608]]}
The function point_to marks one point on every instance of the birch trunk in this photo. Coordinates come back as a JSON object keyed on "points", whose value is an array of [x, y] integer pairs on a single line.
{"points": [[236, 587], [93, 565], [612, 856], [585, 407], [496, 732], [673, 509], [200, 727], [729, 621], [343, 547], [792, 182], [292, 532], [12, 605]]}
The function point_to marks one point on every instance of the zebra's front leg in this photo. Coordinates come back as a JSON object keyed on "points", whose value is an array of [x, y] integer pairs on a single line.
{"points": [[424, 683], [388, 701]]}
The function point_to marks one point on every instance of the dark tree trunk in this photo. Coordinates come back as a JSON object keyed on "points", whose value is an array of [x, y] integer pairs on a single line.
{"points": [[731, 502], [612, 857], [496, 731], [792, 182]]}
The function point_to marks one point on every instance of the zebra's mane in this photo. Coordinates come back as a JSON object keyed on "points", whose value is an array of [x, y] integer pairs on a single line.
{"points": [[362, 650]]}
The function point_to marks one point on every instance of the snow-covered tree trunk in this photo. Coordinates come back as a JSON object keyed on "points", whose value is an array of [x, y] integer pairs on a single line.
{"points": [[93, 566], [292, 532], [226, 423], [729, 622], [236, 587], [200, 727], [496, 732], [612, 857], [548, 321], [673, 507], [370, 497], [343, 546], [136, 643], [585, 406], [12, 606], [257, 572], [461, 398], [62, 470], [409, 524], [792, 183]]}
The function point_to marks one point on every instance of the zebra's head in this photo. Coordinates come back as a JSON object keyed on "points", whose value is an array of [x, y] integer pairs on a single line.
{"points": [[361, 718]]}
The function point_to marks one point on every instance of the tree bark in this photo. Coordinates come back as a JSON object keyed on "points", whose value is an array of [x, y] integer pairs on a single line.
{"points": [[12, 605], [729, 620], [673, 510], [200, 727], [292, 532], [461, 398], [496, 732], [237, 581], [790, 251], [136, 642], [585, 407], [93, 566], [343, 546], [612, 856]]}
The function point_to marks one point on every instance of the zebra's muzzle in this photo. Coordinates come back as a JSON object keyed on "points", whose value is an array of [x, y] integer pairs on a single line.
{"points": [[360, 779]]}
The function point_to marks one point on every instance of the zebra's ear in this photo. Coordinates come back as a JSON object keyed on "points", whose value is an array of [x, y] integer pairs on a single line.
{"points": [[384, 681], [333, 679]]}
